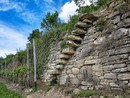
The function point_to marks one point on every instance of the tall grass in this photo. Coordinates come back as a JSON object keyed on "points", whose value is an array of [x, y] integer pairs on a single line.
{"points": [[6, 93]]}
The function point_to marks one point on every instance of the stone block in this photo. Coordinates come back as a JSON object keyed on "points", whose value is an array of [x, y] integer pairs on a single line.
{"points": [[90, 17], [124, 23], [72, 43], [119, 65], [69, 51], [64, 56], [79, 63], [110, 76], [79, 31], [116, 19], [82, 25], [62, 62], [75, 71], [91, 62], [124, 76], [108, 68], [74, 37], [126, 15], [114, 85]]}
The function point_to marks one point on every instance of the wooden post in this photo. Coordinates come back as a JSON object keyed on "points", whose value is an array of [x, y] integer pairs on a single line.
{"points": [[1, 70], [5, 70], [28, 73], [34, 57], [13, 67]]}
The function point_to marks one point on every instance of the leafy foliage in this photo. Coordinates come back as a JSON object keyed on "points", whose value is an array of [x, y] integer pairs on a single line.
{"points": [[6, 93], [51, 21], [36, 34]]}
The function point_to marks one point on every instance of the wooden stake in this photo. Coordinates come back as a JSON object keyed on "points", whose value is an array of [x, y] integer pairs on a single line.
{"points": [[34, 57], [28, 76]]}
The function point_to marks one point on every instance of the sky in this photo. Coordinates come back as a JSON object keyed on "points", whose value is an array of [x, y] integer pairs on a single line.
{"points": [[19, 17]]}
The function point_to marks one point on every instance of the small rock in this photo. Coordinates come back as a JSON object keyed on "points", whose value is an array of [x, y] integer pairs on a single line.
{"points": [[75, 71], [76, 91]]}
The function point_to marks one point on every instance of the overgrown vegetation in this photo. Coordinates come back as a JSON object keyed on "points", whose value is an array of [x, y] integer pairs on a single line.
{"points": [[6, 93], [52, 31], [85, 94]]}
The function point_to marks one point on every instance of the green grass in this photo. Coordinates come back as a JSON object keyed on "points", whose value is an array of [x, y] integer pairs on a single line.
{"points": [[6, 93], [85, 94]]}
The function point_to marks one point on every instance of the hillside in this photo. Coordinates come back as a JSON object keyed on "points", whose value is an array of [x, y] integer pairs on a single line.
{"points": [[88, 57]]}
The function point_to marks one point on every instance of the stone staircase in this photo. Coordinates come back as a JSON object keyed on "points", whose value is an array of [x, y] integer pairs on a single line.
{"points": [[73, 42]]}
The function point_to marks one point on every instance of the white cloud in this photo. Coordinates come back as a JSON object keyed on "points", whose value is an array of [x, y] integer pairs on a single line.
{"points": [[68, 9], [49, 1], [6, 5], [10, 40]]}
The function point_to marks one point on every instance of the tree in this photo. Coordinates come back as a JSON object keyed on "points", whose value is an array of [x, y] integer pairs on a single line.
{"points": [[51, 21], [36, 34]]}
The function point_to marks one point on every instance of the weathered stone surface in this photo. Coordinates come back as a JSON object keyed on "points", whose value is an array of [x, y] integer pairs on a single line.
{"points": [[114, 85], [64, 56], [62, 61], [90, 62], [72, 43], [120, 33], [82, 25], [119, 65], [69, 51], [126, 15], [116, 19], [124, 23], [108, 68], [88, 16], [74, 37], [75, 71], [122, 50], [79, 31], [63, 80], [110, 76], [99, 40], [79, 63], [124, 76]]}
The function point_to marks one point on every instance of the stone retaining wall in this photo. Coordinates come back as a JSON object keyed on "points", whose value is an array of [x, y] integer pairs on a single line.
{"points": [[102, 59]]}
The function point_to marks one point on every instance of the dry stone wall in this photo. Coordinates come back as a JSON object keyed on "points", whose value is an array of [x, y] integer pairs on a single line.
{"points": [[98, 52]]}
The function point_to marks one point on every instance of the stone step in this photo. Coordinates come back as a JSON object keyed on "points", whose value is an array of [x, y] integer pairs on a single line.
{"points": [[64, 56], [72, 44], [62, 61], [59, 67], [90, 17], [68, 50], [82, 25], [79, 31], [74, 37], [87, 21], [54, 72]]}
